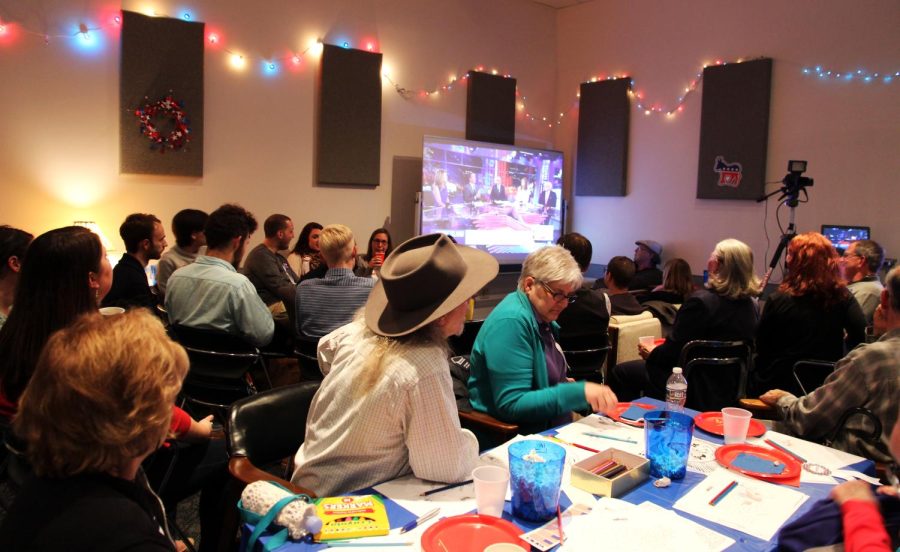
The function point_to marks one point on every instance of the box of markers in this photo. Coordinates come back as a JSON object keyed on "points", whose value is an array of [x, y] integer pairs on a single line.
{"points": [[610, 473]]}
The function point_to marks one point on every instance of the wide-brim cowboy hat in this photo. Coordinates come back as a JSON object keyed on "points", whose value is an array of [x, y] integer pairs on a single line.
{"points": [[423, 279]]}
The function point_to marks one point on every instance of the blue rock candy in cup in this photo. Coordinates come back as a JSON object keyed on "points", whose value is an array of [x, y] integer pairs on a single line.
{"points": [[668, 440], [535, 474]]}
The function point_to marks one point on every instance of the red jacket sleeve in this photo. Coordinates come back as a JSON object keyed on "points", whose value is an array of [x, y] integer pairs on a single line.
{"points": [[181, 422], [863, 527]]}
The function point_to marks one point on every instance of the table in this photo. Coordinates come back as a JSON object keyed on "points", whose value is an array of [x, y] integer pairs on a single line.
{"points": [[666, 498]]}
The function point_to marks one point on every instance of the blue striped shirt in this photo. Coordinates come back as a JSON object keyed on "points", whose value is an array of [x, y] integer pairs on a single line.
{"points": [[325, 304]]}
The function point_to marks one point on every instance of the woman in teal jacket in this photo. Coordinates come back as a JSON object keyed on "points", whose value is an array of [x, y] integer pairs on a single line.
{"points": [[518, 372]]}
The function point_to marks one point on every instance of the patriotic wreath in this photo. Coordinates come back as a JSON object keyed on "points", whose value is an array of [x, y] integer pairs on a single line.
{"points": [[172, 110]]}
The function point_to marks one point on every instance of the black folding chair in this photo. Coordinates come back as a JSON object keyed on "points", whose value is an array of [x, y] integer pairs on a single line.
{"points": [[585, 357], [811, 374], [716, 372], [305, 352], [220, 370]]}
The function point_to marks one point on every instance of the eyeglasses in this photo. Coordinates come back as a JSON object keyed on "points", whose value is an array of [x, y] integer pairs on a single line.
{"points": [[556, 295], [379, 241]]}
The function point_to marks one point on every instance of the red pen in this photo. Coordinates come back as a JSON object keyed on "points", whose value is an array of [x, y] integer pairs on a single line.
{"points": [[559, 523]]}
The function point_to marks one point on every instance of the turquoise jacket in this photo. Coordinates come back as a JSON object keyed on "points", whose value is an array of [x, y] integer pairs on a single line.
{"points": [[508, 379]]}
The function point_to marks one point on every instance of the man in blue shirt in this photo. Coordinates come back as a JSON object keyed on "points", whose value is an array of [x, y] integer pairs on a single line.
{"points": [[211, 294], [324, 304]]}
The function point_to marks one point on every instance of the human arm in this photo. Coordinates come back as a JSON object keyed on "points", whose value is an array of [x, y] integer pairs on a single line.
{"points": [[512, 356], [251, 316], [439, 449], [854, 324], [863, 525]]}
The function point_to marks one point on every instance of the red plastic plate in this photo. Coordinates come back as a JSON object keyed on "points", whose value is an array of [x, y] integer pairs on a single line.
{"points": [[622, 407], [711, 422], [727, 453], [470, 532]]}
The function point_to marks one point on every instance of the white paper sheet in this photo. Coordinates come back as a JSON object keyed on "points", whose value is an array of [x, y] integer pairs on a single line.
{"points": [[407, 490], [753, 507], [586, 431], [626, 527]]}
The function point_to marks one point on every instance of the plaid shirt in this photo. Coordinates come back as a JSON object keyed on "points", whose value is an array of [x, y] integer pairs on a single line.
{"points": [[869, 377]]}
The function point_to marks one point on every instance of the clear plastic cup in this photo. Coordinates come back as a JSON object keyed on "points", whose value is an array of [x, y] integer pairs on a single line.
{"points": [[668, 442], [535, 474], [735, 423], [491, 483]]}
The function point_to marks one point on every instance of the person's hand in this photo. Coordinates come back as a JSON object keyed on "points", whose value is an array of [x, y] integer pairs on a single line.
{"points": [[644, 351], [771, 397], [888, 490], [852, 490], [377, 260], [205, 426], [600, 397]]}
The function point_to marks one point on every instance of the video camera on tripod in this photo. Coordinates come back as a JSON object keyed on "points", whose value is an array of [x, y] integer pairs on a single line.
{"points": [[793, 182]]}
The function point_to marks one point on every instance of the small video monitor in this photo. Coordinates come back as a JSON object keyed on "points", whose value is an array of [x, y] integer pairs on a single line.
{"points": [[842, 236]]}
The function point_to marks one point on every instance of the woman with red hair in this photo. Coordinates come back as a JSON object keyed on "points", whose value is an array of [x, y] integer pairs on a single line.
{"points": [[811, 316]]}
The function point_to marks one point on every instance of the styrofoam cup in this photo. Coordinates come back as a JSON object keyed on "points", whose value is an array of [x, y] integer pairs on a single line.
{"points": [[491, 483], [647, 341]]}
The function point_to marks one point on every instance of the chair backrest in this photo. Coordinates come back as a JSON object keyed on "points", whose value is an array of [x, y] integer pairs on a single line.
{"points": [[271, 425], [305, 350], [716, 372], [586, 357], [624, 333], [462, 344], [811, 374]]}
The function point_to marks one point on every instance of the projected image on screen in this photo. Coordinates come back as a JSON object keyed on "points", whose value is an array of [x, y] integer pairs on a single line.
{"points": [[506, 200]]}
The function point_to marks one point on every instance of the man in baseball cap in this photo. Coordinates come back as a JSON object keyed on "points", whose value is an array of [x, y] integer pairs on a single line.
{"points": [[386, 406], [647, 256]]}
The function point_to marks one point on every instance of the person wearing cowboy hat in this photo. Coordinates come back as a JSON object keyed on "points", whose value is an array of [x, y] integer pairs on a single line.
{"points": [[518, 372], [386, 407]]}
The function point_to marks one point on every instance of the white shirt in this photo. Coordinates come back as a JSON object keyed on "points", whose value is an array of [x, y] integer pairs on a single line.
{"points": [[406, 422]]}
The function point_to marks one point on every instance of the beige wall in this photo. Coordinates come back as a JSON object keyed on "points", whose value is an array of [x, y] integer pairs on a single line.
{"points": [[59, 109], [849, 132]]}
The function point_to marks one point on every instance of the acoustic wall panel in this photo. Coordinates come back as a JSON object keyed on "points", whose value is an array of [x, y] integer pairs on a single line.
{"points": [[734, 130], [349, 139], [491, 108], [161, 58], [604, 116]]}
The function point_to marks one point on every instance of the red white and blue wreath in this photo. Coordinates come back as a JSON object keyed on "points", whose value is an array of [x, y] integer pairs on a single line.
{"points": [[172, 110]]}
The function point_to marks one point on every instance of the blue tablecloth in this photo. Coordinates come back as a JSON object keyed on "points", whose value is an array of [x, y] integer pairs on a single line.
{"points": [[645, 492]]}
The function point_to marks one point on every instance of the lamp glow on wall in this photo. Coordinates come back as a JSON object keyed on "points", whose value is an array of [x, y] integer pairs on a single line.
{"points": [[95, 228]]}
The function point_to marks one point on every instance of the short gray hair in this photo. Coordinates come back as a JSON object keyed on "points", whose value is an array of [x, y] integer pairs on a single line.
{"points": [[892, 285], [871, 252], [551, 264]]}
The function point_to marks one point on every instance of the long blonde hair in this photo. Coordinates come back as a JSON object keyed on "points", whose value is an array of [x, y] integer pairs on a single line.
{"points": [[387, 348], [734, 278]]}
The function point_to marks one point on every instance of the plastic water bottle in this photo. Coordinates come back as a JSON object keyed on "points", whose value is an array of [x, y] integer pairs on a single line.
{"points": [[676, 391]]}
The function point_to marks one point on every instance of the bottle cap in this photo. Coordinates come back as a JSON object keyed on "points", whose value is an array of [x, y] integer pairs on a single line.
{"points": [[676, 370]]}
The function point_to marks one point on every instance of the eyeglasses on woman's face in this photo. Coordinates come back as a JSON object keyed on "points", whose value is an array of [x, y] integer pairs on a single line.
{"points": [[557, 296]]}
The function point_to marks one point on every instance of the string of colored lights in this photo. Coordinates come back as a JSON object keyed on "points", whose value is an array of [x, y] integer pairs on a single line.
{"points": [[272, 66], [858, 75]]}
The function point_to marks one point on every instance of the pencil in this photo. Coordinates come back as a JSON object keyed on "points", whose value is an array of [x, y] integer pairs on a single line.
{"points": [[582, 447], [445, 488], [601, 436], [785, 450], [559, 524], [723, 493]]}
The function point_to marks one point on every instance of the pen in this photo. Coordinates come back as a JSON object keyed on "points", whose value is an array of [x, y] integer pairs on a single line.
{"points": [[783, 449], [415, 523], [611, 438], [723, 493], [351, 544], [446, 488]]}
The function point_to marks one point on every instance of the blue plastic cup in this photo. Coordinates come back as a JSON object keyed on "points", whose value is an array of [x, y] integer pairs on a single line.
{"points": [[668, 439], [535, 474]]}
